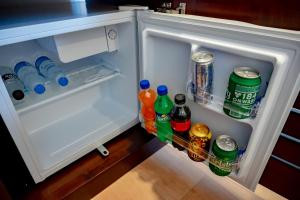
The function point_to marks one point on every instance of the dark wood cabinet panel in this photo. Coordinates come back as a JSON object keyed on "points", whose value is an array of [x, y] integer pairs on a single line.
{"points": [[4, 194], [272, 13], [297, 102], [14, 175], [292, 125], [287, 150], [283, 176], [282, 179]]}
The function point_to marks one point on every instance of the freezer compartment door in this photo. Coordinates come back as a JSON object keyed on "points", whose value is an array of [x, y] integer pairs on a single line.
{"points": [[81, 44], [166, 44]]}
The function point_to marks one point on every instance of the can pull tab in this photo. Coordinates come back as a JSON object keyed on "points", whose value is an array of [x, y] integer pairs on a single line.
{"points": [[104, 151]]}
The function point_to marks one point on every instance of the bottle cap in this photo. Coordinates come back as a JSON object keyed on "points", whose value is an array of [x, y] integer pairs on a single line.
{"points": [[162, 90], [144, 84], [63, 81], [18, 94], [21, 64], [40, 59], [39, 89], [179, 99]]}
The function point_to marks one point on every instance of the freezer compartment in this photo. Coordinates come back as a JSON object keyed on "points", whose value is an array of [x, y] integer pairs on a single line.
{"points": [[73, 46]]}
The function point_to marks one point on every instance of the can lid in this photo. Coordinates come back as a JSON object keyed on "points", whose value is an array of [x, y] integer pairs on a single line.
{"points": [[246, 72], [144, 84], [179, 99], [202, 57], [162, 90], [200, 130], [226, 143]]}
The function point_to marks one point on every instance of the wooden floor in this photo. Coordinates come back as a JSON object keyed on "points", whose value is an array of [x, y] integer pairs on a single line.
{"points": [[170, 174]]}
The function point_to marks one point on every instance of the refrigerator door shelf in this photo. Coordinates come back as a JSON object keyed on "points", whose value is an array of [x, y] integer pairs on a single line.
{"points": [[207, 157], [81, 76], [216, 104]]}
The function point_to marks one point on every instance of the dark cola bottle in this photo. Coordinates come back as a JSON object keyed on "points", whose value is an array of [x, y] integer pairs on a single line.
{"points": [[180, 122]]}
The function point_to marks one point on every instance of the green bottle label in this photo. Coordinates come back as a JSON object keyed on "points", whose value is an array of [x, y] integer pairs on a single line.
{"points": [[163, 117]]}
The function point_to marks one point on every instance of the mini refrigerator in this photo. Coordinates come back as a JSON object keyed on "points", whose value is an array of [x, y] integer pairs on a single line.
{"points": [[106, 54]]}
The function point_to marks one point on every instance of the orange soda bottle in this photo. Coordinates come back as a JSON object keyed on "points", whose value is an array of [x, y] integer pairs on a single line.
{"points": [[147, 97]]}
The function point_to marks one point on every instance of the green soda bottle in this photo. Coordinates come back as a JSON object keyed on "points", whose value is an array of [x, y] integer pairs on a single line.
{"points": [[163, 107]]}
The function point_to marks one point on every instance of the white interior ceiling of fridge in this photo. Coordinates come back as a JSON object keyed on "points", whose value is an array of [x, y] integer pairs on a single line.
{"points": [[99, 102], [166, 61]]}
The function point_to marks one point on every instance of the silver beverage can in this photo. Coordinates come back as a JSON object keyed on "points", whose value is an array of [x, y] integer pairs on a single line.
{"points": [[202, 76]]}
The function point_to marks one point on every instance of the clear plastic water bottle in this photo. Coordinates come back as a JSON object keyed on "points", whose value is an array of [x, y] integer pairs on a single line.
{"points": [[30, 77], [13, 84], [48, 69]]}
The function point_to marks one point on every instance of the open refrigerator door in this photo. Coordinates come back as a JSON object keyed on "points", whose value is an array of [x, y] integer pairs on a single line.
{"points": [[167, 44]]}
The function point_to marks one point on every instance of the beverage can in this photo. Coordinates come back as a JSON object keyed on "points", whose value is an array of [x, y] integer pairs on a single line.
{"points": [[202, 76], [243, 88], [225, 151], [199, 142]]}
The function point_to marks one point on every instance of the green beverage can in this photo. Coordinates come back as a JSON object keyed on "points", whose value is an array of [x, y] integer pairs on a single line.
{"points": [[243, 88], [225, 151]]}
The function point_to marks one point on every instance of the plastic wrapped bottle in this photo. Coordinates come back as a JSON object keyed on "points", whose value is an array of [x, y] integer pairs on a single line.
{"points": [[28, 74], [13, 84], [49, 69]]}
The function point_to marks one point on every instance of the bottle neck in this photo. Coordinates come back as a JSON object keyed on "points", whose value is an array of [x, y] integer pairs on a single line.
{"points": [[144, 90], [179, 105], [163, 95]]}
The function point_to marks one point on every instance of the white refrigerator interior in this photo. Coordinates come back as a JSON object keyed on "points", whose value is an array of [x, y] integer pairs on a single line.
{"points": [[55, 129]]}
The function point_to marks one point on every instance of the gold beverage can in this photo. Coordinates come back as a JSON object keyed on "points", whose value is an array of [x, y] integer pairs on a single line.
{"points": [[199, 142]]}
